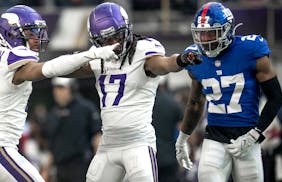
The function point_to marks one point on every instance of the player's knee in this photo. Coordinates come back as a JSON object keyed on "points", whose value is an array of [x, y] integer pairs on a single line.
{"points": [[209, 175], [88, 179], [142, 179], [212, 173], [250, 175], [142, 176]]}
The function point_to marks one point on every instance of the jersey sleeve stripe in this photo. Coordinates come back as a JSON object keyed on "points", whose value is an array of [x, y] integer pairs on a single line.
{"points": [[153, 53], [14, 61]]}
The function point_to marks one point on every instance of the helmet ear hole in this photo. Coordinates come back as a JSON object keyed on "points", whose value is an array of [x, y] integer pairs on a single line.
{"points": [[14, 33], [10, 35]]}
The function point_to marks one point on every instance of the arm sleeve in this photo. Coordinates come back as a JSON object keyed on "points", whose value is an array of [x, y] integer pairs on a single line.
{"points": [[272, 91]]}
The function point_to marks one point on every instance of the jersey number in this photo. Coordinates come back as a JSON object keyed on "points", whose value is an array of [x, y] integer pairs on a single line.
{"points": [[233, 106], [113, 78]]}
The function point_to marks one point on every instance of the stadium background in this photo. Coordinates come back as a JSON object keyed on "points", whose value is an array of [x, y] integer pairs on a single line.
{"points": [[166, 20]]}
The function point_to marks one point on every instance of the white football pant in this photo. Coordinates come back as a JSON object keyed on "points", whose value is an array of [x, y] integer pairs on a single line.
{"points": [[139, 164], [15, 168], [216, 164]]}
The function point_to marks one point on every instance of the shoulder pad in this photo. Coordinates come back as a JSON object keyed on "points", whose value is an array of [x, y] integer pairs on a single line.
{"points": [[191, 48], [256, 45], [150, 47], [20, 56]]}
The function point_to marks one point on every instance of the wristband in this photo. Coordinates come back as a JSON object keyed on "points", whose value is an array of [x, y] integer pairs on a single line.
{"points": [[261, 136], [182, 137], [180, 62]]}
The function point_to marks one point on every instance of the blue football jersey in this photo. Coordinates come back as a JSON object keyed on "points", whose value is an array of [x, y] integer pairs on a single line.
{"points": [[229, 82]]}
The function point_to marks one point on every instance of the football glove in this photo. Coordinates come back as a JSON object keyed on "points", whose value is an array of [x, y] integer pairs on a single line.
{"points": [[106, 53], [191, 58], [244, 143], [182, 151]]}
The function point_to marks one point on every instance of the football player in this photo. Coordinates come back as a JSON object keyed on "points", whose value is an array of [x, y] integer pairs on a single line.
{"points": [[233, 70], [127, 89], [23, 33]]}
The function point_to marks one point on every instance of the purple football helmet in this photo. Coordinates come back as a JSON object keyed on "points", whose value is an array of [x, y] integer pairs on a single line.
{"points": [[213, 20], [107, 24], [21, 23]]}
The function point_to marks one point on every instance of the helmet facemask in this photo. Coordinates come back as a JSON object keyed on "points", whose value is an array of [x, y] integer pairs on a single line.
{"points": [[212, 40], [36, 33], [123, 36]]}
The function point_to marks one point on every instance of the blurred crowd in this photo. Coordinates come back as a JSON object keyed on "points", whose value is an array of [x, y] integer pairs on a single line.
{"points": [[36, 3], [136, 4]]}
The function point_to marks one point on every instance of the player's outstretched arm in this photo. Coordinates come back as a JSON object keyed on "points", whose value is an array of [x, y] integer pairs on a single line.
{"points": [[62, 65], [160, 65]]}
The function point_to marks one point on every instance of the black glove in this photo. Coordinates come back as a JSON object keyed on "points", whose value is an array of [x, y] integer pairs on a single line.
{"points": [[189, 58]]}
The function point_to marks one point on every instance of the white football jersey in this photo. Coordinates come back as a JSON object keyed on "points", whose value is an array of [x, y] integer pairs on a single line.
{"points": [[13, 98], [127, 98]]}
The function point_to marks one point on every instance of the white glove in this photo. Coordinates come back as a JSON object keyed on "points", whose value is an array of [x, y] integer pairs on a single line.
{"points": [[182, 151], [66, 64], [106, 53], [242, 144]]}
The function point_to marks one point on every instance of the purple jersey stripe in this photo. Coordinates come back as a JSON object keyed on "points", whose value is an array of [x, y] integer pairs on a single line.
{"points": [[154, 164], [149, 39], [12, 58], [151, 52], [10, 165]]}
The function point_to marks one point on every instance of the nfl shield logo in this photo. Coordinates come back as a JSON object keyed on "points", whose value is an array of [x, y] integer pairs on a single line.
{"points": [[217, 63]]}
